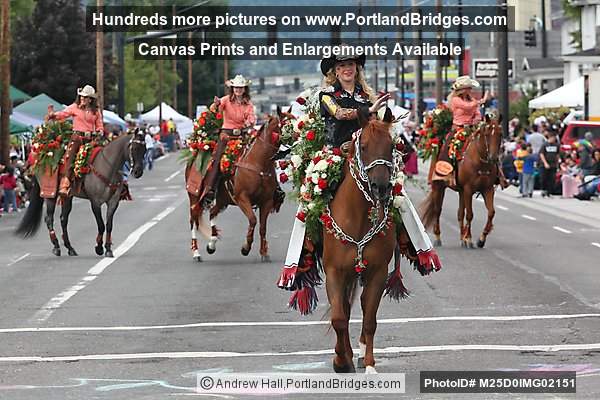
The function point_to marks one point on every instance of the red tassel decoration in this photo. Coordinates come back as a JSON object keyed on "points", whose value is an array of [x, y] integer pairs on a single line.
{"points": [[287, 277], [394, 288], [304, 300]]}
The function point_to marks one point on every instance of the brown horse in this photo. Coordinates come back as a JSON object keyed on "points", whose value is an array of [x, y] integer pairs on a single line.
{"points": [[253, 184], [478, 172], [372, 148]]}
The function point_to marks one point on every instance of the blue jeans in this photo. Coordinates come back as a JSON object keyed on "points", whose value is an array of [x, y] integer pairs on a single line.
{"points": [[10, 197], [527, 185], [149, 158], [591, 187]]}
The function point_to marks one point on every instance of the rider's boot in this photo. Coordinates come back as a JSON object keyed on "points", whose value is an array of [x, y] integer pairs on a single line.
{"points": [[64, 189], [212, 177]]}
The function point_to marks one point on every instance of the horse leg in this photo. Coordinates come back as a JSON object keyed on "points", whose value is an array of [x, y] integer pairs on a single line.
{"points": [[461, 213], [110, 213], [97, 210], [265, 209], [195, 211], [246, 207], [64, 222], [489, 204], [336, 283], [439, 190], [50, 207], [468, 201], [369, 301], [211, 246]]}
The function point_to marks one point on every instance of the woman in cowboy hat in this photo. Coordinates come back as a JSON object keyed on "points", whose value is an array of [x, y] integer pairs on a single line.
{"points": [[346, 90], [87, 126], [238, 117], [465, 109]]}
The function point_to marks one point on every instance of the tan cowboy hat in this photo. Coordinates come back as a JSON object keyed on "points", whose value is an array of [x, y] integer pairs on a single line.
{"points": [[464, 82], [238, 81], [87, 91]]}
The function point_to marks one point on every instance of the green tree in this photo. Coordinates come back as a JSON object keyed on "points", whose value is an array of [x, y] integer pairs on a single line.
{"points": [[52, 52]]}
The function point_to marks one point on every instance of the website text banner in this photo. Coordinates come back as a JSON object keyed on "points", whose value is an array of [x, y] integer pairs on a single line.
{"points": [[296, 49], [300, 19]]}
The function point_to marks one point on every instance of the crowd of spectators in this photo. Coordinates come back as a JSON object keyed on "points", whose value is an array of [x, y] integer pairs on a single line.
{"points": [[534, 158]]}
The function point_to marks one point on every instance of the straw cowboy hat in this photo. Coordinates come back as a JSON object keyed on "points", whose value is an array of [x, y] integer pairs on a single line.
{"points": [[464, 82], [329, 62], [87, 91], [238, 81]]}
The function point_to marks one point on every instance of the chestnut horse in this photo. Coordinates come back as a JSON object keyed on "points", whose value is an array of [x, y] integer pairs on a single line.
{"points": [[477, 173], [373, 148], [253, 184]]}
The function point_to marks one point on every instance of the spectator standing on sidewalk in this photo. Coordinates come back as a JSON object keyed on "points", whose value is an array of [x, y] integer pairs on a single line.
{"points": [[8, 181], [149, 156], [584, 152], [519, 159], [537, 140], [549, 157], [529, 161]]}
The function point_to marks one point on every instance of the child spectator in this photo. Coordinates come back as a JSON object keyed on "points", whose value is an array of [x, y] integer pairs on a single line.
{"points": [[519, 158], [9, 184], [529, 162]]}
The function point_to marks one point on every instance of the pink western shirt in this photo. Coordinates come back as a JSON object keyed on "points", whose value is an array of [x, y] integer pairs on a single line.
{"points": [[236, 115], [83, 120], [464, 112]]}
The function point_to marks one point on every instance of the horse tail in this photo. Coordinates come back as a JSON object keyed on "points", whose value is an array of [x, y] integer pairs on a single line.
{"points": [[427, 211], [30, 223]]}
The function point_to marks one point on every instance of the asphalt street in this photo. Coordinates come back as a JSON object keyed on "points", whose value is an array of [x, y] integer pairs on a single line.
{"points": [[144, 324]]}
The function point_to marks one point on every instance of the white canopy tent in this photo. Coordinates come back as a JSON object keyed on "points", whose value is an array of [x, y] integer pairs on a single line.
{"points": [[185, 126], [569, 95]]}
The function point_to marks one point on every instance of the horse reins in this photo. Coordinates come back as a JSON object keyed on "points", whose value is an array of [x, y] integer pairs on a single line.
{"points": [[114, 185], [245, 165]]}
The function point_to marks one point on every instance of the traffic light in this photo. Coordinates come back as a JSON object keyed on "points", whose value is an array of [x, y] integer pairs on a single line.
{"points": [[530, 40]]}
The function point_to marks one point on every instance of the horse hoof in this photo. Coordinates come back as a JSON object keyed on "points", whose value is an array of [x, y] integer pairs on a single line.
{"points": [[361, 363], [480, 243], [56, 251], [210, 250], [370, 370], [344, 369], [99, 250], [198, 258], [72, 252], [463, 244], [437, 243], [265, 259], [109, 254], [245, 251], [471, 245]]}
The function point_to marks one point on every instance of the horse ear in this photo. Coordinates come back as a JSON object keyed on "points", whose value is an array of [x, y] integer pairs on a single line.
{"points": [[289, 111], [363, 116], [499, 118], [388, 117], [279, 113]]}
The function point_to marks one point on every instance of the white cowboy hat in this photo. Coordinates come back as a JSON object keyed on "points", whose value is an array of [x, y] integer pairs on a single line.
{"points": [[464, 82], [239, 81], [87, 91]]}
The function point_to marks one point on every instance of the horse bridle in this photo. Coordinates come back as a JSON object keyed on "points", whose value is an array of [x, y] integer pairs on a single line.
{"points": [[488, 159], [136, 141], [364, 170]]}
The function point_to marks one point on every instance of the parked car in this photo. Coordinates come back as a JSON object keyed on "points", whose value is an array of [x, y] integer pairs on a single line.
{"points": [[576, 130]]}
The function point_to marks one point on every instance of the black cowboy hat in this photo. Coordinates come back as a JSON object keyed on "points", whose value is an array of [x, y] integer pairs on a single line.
{"points": [[329, 62]]}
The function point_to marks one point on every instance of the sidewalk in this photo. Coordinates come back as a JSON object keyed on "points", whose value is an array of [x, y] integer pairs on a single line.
{"points": [[584, 212]]}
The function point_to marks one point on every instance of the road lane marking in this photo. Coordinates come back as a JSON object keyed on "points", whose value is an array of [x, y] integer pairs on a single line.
{"points": [[162, 157], [173, 175], [492, 318], [502, 208], [563, 230], [595, 244], [529, 217], [56, 302], [231, 354], [24, 256], [151, 188]]}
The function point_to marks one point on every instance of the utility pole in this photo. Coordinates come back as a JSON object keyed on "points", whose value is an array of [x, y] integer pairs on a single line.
{"points": [[418, 106], [503, 71], [544, 38], [174, 71], [121, 61], [385, 66], [438, 62], [160, 89], [100, 62], [189, 91], [5, 78], [460, 37]]}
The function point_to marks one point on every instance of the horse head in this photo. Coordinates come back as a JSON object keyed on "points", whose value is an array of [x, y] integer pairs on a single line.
{"points": [[373, 153], [136, 152], [490, 135]]}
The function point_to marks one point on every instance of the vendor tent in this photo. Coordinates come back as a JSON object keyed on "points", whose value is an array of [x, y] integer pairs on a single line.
{"points": [[109, 117], [569, 95], [37, 107], [17, 127], [185, 126], [24, 119]]}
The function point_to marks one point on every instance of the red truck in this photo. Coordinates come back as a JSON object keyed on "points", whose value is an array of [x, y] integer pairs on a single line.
{"points": [[576, 131]]}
